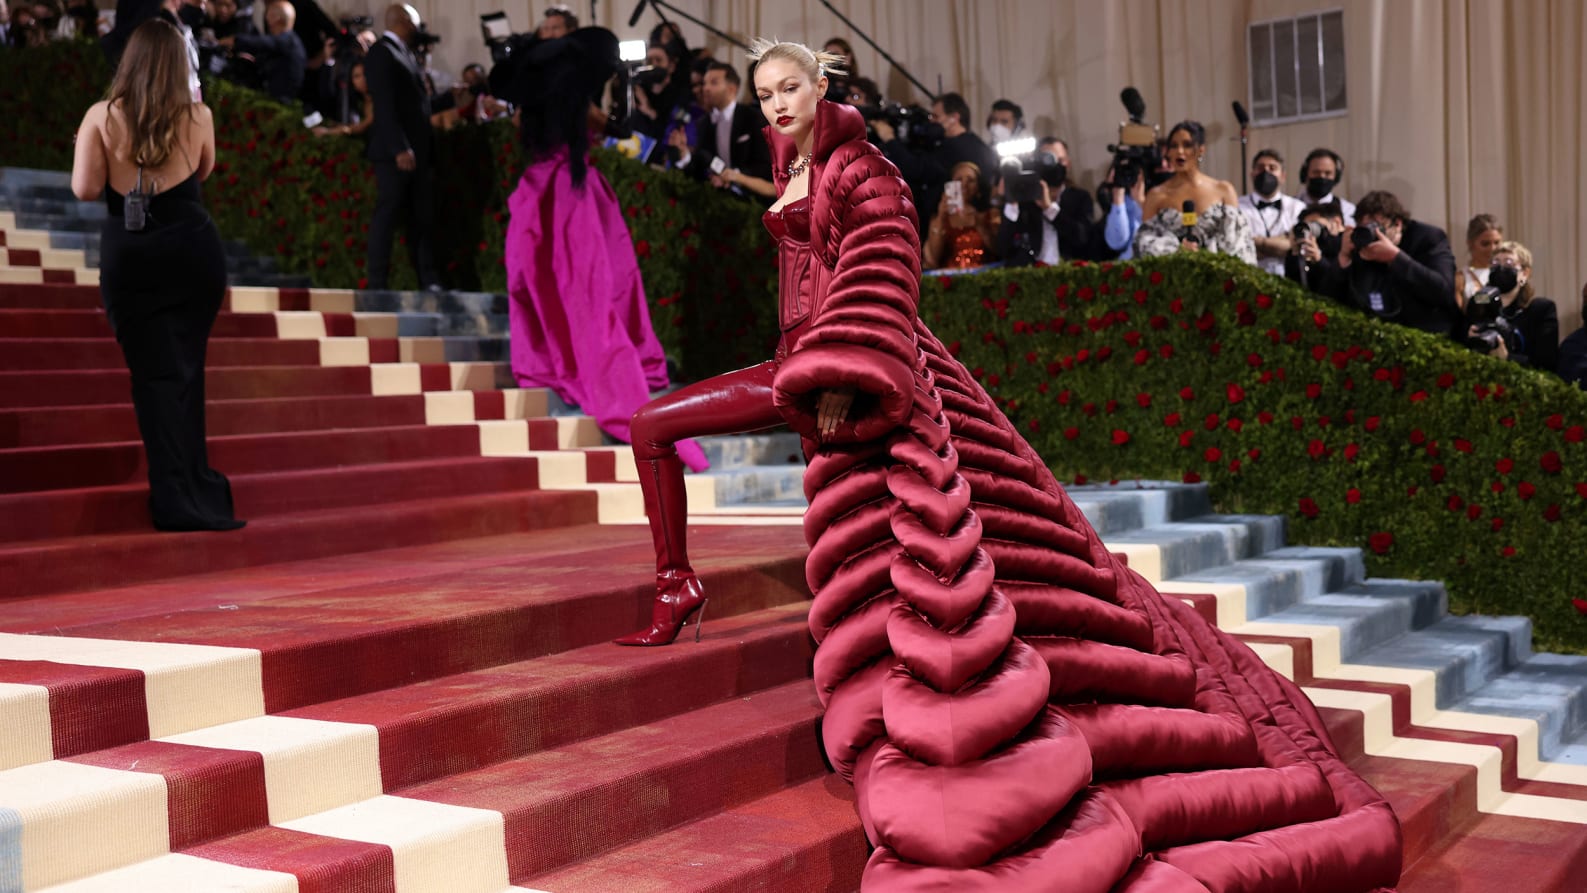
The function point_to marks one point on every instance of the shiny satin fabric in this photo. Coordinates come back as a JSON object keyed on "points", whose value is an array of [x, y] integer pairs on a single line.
{"points": [[1017, 710]]}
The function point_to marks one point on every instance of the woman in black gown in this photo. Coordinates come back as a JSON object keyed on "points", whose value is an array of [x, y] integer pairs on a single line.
{"points": [[163, 283]]}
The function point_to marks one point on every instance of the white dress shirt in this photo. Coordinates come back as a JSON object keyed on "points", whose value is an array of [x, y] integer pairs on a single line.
{"points": [[1049, 231], [1270, 221]]}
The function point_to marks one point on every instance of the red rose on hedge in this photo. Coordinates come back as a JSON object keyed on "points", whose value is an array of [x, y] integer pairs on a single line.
{"points": [[1550, 462], [1144, 400], [1353, 496], [1171, 420], [1551, 514], [1213, 454], [1316, 449], [1525, 490], [1504, 465], [1308, 507], [1381, 542], [1437, 474], [1555, 421], [1446, 381], [1373, 423], [1120, 437], [1235, 393], [1071, 433], [1320, 319]]}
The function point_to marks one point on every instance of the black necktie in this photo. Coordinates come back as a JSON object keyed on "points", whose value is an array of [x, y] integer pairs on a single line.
{"points": [[1263, 206]]}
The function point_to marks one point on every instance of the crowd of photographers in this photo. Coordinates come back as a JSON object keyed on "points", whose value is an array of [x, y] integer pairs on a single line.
{"points": [[1005, 200]]}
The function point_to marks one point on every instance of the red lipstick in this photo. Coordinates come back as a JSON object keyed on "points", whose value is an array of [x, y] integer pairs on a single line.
{"points": [[784, 121]]}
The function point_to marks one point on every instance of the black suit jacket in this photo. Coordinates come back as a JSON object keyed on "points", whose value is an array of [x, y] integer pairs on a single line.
{"points": [[1537, 334], [750, 152], [281, 62], [1417, 289], [1573, 358], [402, 105], [1019, 241]]}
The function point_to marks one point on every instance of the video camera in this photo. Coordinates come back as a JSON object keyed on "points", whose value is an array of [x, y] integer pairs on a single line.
{"points": [[1484, 313], [912, 123], [1136, 154], [1024, 169]]}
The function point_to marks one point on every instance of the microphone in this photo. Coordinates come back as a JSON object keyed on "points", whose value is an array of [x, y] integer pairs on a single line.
{"points": [[1240, 115], [638, 11], [1187, 221], [1133, 103]]}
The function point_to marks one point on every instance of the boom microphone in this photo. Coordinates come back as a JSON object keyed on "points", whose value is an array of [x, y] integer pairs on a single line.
{"points": [[638, 11], [1240, 115], [1133, 103]]}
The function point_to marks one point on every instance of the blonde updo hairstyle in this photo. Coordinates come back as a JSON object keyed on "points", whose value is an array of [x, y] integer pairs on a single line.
{"points": [[813, 64]]}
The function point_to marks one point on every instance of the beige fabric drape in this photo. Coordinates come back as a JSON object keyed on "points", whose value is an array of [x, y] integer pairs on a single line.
{"points": [[1457, 106]]}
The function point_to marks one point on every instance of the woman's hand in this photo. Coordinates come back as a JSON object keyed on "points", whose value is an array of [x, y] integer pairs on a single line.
{"points": [[832, 409]]}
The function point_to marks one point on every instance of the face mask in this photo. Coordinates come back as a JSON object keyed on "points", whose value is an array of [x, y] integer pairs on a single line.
{"points": [[1505, 279], [1329, 244], [1001, 132], [1266, 183], [1319, 187]]}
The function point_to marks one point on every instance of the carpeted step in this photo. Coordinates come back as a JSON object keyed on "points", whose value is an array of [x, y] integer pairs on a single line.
{"points": [[1497, 852], [62, 426], [124, 508], [49, 297], [49, 566], [804, 839], [82, 323], [55, 467], [96, 386], [47, 354], [643, 780]]}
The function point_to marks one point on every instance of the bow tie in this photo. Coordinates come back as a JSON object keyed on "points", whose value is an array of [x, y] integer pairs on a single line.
{"points": [[1263, 206]]}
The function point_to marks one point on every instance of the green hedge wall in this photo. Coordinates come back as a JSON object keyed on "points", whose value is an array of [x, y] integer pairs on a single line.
{"points": [[1437, 462]]}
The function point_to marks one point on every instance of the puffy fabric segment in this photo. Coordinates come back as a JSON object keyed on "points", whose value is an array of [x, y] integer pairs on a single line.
{"points": [[1046, 609], [1348, 852], [1176, 809], [1131, 740], [950, 728], [1083, 670]]}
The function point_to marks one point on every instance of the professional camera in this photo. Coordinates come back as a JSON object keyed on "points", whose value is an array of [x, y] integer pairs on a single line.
{"points": [[1307, 229], [1024, 169], [1364, 234], [1484, 313], [1136, 154], [424, 39], [912, 123]]}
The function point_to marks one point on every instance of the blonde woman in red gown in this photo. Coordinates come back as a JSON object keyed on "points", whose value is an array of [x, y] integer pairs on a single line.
{"points": [[1017, 710]]}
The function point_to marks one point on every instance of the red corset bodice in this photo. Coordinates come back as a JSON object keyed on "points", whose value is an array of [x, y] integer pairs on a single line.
{"points": [[797, 268]]}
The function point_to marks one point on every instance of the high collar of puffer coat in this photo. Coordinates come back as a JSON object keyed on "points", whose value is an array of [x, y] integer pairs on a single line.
{"points": [[835, 125]]}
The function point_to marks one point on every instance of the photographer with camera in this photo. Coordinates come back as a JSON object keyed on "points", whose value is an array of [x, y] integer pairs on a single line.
{"points": [[1506, 318], [961, 235], [932, 148], [278, 53], [1313, 261], [1123, 218], [1400, 269], [1272, 214], [1045, 220], [400, 146]]}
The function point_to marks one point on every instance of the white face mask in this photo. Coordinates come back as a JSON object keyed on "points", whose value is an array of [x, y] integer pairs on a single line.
{"points": [[1001, 132]]}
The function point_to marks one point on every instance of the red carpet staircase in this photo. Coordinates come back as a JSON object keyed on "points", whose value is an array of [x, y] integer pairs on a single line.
{"points": [[396, 678]]}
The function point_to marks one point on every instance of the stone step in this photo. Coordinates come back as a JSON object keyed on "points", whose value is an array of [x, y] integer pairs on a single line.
{"points": [[1548, 688], [1117, 508], [777, 448], [756, 485], [1281, 578]]}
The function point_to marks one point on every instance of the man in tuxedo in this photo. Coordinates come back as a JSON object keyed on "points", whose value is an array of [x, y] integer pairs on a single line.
{"points": [[733, 134], [1058, 226], [1320, 174], [400, 147], [1405, 273], [1271, 213]]}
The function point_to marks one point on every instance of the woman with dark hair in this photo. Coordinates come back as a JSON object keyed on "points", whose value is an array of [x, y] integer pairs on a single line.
{"points": [[580, 324], [964, 231], [1017, 709], [1215, 223], [162, 269]]}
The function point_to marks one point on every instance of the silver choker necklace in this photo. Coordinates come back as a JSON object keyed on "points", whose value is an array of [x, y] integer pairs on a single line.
{"points": [[795, 170]]}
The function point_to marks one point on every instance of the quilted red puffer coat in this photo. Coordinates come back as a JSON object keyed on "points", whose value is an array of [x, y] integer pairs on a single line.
{"points": [[1017, 710]]}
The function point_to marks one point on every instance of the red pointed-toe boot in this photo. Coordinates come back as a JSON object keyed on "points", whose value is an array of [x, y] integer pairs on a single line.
{"points": [[678, 591]]}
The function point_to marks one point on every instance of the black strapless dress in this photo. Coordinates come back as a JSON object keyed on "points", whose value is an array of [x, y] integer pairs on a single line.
{"points": [[162, 288]]}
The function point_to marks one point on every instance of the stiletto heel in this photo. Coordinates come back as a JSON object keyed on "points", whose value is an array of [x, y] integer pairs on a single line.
{"points": [[679, 599], [699, 619], [678, 591]]}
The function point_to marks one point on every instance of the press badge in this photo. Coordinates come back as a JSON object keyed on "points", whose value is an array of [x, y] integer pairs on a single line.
{"points": [[1376, 300]]}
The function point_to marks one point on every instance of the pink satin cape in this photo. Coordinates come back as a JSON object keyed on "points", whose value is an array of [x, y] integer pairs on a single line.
{"points": [[579, 322], [1017, 709]]}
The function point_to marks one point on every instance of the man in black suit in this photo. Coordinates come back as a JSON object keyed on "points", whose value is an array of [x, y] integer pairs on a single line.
{"points": [[1406, 274], [1059, 225], [278, 52], [400, 147], [927, 171], [733, 134]]}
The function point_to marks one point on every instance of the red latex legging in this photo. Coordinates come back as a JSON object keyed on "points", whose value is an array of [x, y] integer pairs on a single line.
{"points": [[735, 402]]}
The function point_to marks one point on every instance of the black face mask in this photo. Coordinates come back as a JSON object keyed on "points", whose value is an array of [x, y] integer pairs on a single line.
{"points": [[1055, 175], [1505, 279], [1319, 187], [1266, 183]]}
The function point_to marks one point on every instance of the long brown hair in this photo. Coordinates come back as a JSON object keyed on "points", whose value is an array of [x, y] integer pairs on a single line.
{"points": [[151, 90]]}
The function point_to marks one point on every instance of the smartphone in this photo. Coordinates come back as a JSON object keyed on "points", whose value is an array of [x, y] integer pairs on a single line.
{"points": [[953, 194]]}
